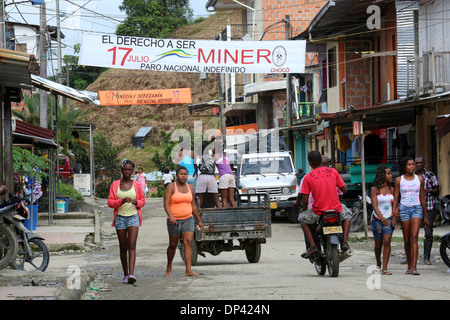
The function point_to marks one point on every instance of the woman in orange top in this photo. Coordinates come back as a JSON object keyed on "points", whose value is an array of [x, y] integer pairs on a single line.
{"points": [[179, 204]]}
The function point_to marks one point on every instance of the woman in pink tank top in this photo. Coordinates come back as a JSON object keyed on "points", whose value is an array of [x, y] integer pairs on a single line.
{"points": [[179, 204]]}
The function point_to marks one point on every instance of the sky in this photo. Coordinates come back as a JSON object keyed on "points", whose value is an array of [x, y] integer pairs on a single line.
{"points": [[96, 16]]}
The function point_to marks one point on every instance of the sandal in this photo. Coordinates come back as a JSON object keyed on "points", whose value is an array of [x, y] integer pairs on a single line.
{"points": [[125, 279], [416, 273], [131, 279], [409, 272], [386, 272]]}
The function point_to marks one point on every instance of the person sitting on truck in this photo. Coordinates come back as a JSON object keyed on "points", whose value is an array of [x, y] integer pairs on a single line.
{"points": [[321, 183]]}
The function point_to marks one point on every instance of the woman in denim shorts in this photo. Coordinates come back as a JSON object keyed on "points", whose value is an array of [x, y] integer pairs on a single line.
{"points": [[382, 226], [127, 198], [179, 204], [410, 208]]}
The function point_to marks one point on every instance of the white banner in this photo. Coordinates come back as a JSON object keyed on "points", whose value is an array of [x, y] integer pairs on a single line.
{"points": [[172, 55]]}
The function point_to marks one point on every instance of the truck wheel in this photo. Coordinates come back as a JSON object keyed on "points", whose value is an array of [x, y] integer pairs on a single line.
{"points": [[253, 252], [194, 251]]}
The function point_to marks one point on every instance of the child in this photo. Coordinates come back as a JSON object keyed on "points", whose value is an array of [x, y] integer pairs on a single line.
{"points": [[382, 197], [167, 178]]}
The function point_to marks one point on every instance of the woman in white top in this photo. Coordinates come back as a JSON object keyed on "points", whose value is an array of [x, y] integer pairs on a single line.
{"points": [[382, 227], [410, 208]]}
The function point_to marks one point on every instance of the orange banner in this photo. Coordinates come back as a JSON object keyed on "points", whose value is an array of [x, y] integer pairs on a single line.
{"points": [[133, 97]]}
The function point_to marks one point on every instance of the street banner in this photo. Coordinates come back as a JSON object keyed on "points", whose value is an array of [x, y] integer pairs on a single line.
{"points": [[199, 56], [357, 128], [137, 97]]}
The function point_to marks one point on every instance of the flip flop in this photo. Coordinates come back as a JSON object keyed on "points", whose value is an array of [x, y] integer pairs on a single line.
{"points": [[409, 272], [125, 279], [386, 272], [416, 273]]}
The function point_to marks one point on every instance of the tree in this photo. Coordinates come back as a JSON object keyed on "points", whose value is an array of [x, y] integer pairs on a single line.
{"points": [[33, 105], [164, 161], [153, 18], [80, 76]]}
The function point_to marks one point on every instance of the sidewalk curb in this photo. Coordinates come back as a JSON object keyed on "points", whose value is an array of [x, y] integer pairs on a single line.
{"points": [[75, 294]]}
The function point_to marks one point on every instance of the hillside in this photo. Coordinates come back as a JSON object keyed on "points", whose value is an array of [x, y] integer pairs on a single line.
{"points": [[121, 123]]}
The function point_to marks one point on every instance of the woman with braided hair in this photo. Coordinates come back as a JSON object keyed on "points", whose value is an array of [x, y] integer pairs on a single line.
{"points": [[383, 225], [127, 198]]}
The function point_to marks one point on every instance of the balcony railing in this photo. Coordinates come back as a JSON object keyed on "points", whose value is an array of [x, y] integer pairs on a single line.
{"points": [[238, 31], [429, 73]]}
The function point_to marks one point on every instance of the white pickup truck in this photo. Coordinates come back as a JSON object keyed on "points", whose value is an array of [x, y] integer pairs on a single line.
{"points": [[271, 173]]}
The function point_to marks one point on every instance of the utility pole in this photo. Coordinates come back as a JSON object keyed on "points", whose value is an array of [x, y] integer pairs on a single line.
{"points": [[289, 140], [58, 39], [43, 114], [2, 25]]}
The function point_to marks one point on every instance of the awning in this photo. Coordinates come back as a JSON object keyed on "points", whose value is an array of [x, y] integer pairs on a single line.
{"points": [[203, 106], [14, 69], [339, 17], [36, 141], [260, 87], [392, 114], [65, 91]]}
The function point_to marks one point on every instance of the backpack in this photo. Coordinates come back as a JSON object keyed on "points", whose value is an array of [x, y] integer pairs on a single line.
{"points": [[208, 165]]}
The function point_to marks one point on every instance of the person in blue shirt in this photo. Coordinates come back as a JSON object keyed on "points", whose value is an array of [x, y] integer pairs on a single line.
{"points": [[187, 161]]}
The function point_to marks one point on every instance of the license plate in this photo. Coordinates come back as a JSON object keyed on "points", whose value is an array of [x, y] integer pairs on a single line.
{"points": [[329, 230], [273, 205]]}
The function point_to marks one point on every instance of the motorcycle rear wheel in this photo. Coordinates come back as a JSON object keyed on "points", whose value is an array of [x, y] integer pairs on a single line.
{"points": [[333, 260], [444, 250], [37, 262], [8, 245]]}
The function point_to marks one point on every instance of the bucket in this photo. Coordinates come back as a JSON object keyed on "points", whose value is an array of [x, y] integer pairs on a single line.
{"points": [[65, 200], [32, 221], [60, 206]]}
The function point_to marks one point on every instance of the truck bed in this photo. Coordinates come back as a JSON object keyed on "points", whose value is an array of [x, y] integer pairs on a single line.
{"points": [[248, 222]]}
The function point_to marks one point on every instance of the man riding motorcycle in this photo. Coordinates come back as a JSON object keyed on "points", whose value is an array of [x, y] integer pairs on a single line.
{"points": [[322, 184]]}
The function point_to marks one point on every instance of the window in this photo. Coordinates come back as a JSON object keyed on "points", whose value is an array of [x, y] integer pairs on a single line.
{"points": [[332, 67]]}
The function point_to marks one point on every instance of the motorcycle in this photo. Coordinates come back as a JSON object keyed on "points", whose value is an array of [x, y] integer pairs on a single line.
{"points": [[357, 219], [444, 248], [23, 250], [8, 237], [328, 235]]}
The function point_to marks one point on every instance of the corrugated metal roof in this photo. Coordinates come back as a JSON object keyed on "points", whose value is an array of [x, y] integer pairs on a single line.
{"points": [[63, 90], [143, 131], [23, 127]]}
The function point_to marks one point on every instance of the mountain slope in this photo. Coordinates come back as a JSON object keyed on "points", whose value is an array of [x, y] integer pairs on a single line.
{"points": [[121, 123]]}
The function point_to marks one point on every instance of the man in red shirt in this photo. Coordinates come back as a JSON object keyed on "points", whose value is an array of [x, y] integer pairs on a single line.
{"points": [[322, 184]]}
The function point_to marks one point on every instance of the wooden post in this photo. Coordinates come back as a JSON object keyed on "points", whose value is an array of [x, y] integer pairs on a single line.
{"points": [[363, 177], [7, 131]]}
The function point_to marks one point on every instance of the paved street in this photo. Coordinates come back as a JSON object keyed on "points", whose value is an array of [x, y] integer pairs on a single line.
{"points": [[280, 275]]}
